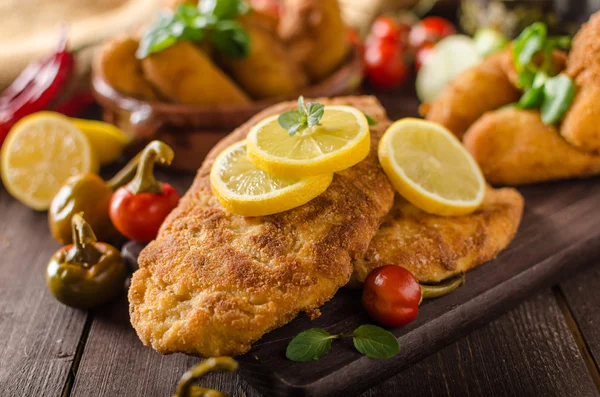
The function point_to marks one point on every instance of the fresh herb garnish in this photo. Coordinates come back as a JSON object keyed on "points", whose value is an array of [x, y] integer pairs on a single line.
{"points": [[306, 116], [309, 345], [212, 20], [370, 340], [370, 119], [532, 55]]}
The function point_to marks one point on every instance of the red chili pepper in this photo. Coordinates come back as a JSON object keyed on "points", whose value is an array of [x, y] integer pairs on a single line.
{"points": [[139, 208], [36, 86], [76, 104]]}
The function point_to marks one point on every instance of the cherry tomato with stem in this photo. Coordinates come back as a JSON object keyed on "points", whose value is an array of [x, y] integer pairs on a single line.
{"points": [[139, 208], [385, 65], [430, 30], [392, 294]]}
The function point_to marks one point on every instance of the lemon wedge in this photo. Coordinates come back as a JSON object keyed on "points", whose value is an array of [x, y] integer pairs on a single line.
{"points": [[107, 140], [244, 189], [339, 141], [40, 153], [428, 165]]}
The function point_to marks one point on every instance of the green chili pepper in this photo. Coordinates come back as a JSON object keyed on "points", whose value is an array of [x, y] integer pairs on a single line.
{"points": [[87, 273], [186, 387], [435, 291], [87, 193], [558, 96]]}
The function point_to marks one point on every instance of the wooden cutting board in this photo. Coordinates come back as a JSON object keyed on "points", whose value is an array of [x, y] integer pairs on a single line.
{"points": [[559, 234]]}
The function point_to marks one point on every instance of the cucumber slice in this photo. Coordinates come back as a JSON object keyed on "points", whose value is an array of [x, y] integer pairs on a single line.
{"points": [[449, 58]]}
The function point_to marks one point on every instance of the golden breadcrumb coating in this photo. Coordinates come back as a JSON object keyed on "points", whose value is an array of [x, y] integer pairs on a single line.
{"points": [[435, 247], [514, 147], [214, 282], [477, 90]]}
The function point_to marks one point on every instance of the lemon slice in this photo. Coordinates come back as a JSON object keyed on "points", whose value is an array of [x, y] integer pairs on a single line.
{"points": [[340, 140], [430, 168], [40, 153], [106, 139], [244, 189]]}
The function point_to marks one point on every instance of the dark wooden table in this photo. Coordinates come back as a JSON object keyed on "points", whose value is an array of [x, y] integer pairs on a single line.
{"points": [[547, 346]]}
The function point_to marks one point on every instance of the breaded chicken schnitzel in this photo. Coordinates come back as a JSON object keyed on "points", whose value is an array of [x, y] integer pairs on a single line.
{"points": [[434, 247], [581, 124], [477, 90], [514, 147], [214, 282]]}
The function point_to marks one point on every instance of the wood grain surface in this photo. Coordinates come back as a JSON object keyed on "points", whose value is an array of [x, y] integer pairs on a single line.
{"points": [[38, 337]]}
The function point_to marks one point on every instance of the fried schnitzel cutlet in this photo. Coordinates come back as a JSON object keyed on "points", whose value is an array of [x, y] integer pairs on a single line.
{"points": [[477, 90], [514, 147], [580, 126], [214, 282], [434, 247]]}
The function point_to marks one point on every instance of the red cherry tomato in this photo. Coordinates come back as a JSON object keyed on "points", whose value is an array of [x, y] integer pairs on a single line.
{"points": [[384, 64], [430, 30], [391, 296], [422, 54], [386, 28], [139, 216]]}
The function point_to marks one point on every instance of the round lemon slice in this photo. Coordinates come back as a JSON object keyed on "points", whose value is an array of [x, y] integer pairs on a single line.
{"points": [[244, 189], [339, 141], [107, 140], [40, 153], [430, 168]]}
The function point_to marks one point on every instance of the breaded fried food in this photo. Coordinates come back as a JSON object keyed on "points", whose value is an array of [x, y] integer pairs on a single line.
{"points": [[581, 125], [477, 90], [268, 70], [122, 70], [184, 73], [585, 50], [514, 147], [434, 247], [214, 282], [315, 35], [559, 62]]}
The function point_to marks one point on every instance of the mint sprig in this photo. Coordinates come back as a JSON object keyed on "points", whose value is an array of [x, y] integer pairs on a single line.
{"points": [[370, 340], [213, 21], [553, 94], [306, 116]]}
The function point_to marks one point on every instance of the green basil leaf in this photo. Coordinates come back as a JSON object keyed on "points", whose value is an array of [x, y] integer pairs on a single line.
{"points": [[223, 9], [314, 113], [230, 38], [531, 47], [158, 37], [525, 79], [292, 121], [558, 96], [375, 342], [370, 119], [309, 345]]}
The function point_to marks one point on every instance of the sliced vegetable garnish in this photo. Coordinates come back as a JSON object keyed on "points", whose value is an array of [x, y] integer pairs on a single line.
{"points": [[558, 96], [533, 60]]}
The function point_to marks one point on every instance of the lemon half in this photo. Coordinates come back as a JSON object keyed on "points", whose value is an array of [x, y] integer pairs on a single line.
{"points": [[339, 141], [107, 140], [40, 153], [430, 168], [244, 189]]}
